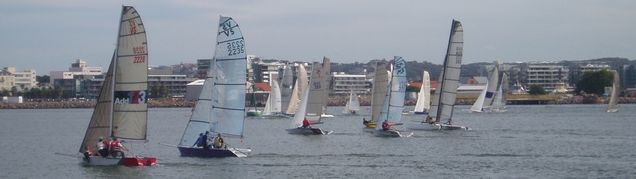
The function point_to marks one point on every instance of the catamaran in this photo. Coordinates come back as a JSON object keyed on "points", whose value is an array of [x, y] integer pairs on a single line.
{"points": [[220, 108], [319, 85], [446, 93], [319, 91], [423, 103], [613, 102], [122, 110], [353, 104], [394, 101], [379, 91]]}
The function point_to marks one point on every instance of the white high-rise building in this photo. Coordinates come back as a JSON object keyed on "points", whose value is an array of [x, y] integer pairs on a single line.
{"points": [[80, 67]]}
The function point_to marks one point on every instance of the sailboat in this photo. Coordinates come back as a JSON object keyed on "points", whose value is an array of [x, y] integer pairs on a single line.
{"points": [[318, 86], [287, 87], [122, 110], [423, 103], [491, 87], [499, 103], [379, 91], [273, 105], [299, 89], [319, 91], [479, 103], [394, 101], [518, 89], [444, 98], [613, 102], [353, 104], [221, 105]]}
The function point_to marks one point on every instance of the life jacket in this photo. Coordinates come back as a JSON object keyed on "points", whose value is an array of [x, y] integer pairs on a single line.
{"points": [[385, 125], [218, 142], [114, 146]]}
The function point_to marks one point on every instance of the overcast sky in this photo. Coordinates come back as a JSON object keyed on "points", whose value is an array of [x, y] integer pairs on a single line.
{"points": [[49, 35]]}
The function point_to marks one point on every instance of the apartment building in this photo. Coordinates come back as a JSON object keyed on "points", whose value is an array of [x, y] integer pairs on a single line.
{"points": [[343, 83], [23, 79], [7, 80], [575, 75]]}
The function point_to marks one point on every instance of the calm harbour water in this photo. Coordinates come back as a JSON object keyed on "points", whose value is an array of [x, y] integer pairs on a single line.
{"points": [[537, 141]]}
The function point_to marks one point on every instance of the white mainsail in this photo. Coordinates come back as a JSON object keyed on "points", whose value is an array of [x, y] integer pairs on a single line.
{"points": [[221, 104], [446, 92], [299, 89], [286, 84], [299, 115], [479, 103], [353, 104], [499, 103], [394, 102], [318, 89], [122, 110], [613, 102], [379, 91], [273, 104], [423, 103], [491, 87]]}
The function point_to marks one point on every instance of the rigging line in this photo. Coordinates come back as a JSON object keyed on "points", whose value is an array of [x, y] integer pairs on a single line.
{"points": [[107, 101], [134, 17], [228, 19], [98, 127], [129, 8], [139, 32], [240, 38], [234, 109], [133, 55], [228, 59], [199, 121], [230, 28]]}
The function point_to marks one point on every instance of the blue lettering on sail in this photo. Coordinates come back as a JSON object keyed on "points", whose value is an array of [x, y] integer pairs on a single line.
{"points": [[227, 28], [489, 94], [317, 85]]}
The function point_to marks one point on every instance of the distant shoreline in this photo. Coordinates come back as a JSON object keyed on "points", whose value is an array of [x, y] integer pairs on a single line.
{"points": [[180, 103]]}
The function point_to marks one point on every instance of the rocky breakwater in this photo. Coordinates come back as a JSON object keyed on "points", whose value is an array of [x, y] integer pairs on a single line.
{"points": [[48, 105], [90, 104]]}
